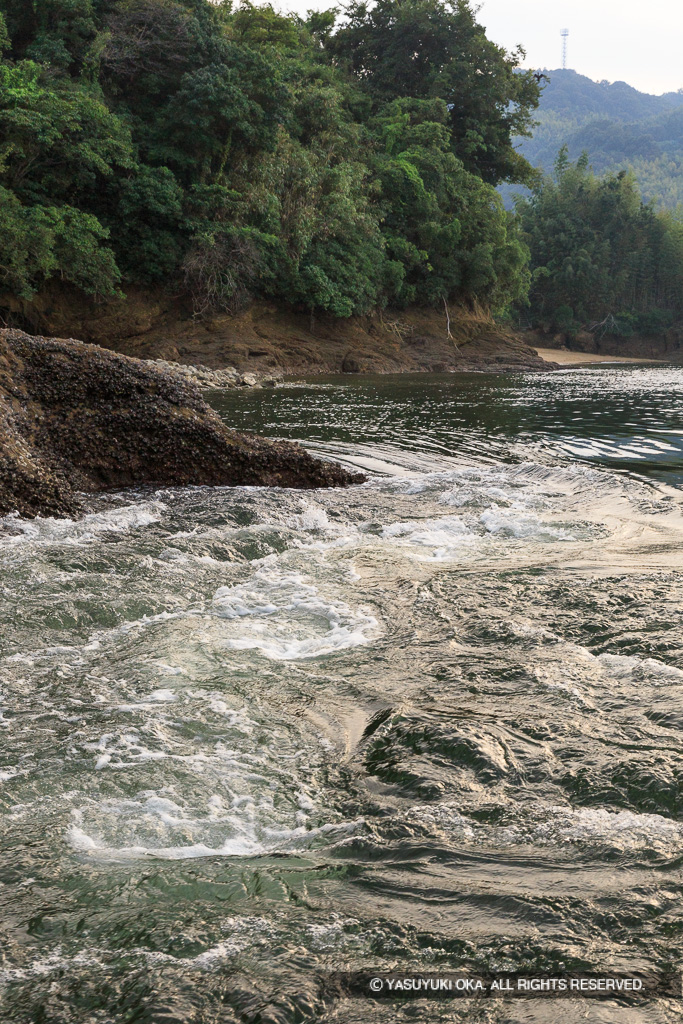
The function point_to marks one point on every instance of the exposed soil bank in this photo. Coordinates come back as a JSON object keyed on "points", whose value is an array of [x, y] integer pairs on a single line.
{"points": [[74, 417], [267, 338]]}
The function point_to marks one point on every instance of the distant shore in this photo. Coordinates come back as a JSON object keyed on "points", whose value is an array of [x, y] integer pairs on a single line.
{"points": [[566, 358]]}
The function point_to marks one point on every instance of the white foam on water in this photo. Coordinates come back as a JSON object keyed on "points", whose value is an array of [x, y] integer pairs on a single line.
{"points": [[212, 958], [616, 666], [620, 665], [559, 825], [123, 749], [47, 531], [441, 816], [333, 935], [531, 502], [252, 932], [242, 783], [522, 481], [312, 518], [520, 502], [151, 620], [244, 932], [437, 539], [161, 824], [56, 960], [529, 631], [588, 821], [154, 699], [623, 830], [164, 696], [284, 616], [508, 523], [101, 638], [235, 719], [292, 840]]}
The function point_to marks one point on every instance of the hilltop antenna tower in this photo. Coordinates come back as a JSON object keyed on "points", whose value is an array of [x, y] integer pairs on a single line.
{"points": [[564, 33]]}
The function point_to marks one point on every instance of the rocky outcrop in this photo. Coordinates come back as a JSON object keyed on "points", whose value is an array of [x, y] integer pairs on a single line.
{"points": [[227, 377], [75, 417]]}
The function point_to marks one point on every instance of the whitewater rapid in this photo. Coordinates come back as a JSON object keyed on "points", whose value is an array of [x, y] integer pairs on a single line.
{"points": [[434, 719]]}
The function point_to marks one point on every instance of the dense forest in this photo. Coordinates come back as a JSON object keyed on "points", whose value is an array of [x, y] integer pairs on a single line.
{"points": [[238, 152], [336, 165], [620, 129], [600, 257]]}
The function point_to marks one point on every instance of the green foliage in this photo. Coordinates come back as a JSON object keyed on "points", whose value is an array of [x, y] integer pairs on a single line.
{"points": [[56, 145], [55, 32], [56, 142], [445, 226], [620, 129], [263, 26], [149, 220], [237, 152], [600, 257], [341, 270], [38, 243], [436, 48]]}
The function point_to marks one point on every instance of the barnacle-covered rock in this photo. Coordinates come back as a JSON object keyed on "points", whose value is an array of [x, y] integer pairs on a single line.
{"points": [[77, 417]]}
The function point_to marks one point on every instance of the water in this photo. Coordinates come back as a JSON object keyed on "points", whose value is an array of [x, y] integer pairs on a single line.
{"points": [[251, 737]]}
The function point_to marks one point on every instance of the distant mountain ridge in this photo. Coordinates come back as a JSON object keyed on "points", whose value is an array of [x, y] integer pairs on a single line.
{"points": [[568, 91], [618, 126]]}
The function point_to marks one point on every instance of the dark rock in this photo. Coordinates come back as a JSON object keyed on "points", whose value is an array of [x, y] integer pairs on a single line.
{"points": [[353, 363], [76, 417]]}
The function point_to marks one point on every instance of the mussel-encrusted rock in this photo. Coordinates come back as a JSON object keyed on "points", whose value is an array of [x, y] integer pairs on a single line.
{"points": [[76, 417]]}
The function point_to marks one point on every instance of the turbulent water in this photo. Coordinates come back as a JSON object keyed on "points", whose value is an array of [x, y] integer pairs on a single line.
{"points": [[253, 736]]}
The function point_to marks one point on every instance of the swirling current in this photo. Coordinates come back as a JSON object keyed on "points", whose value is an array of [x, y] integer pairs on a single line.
{"points": [[254, 736]]}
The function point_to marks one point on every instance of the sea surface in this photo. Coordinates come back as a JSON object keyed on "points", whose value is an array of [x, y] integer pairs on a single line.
{"points": [[250, 737]]}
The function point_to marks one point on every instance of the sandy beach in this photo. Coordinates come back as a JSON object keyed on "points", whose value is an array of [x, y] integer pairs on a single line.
{"points": [[566, 358]]}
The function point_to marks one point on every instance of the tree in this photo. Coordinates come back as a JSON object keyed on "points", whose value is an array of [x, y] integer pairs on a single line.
{"points": [[436, 48], [444, 226], [239, 152], [56, 143], [38, 243], [599, 254], [55, 32]]}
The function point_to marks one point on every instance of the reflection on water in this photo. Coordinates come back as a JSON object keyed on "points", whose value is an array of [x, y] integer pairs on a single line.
{"points": [[631, 417], [253, 736]]}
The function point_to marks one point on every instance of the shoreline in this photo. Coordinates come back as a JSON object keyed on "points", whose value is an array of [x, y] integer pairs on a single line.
{"points": [[568, 360], [267, 340]]}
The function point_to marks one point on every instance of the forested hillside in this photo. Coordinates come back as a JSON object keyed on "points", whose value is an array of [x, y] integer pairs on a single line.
{"points": [[617, 126], [233, 153], [601, 258]]}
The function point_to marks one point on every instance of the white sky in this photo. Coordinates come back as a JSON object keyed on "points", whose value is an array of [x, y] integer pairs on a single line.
{"points": [[618, 40]]}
